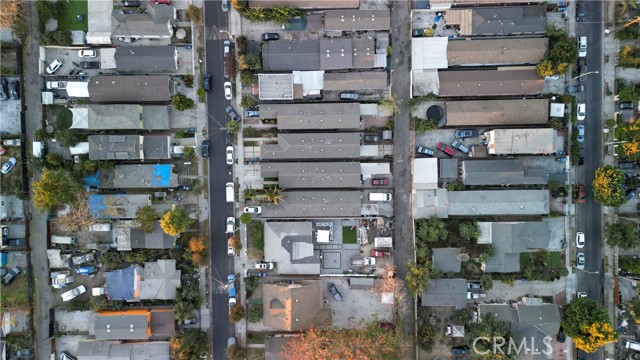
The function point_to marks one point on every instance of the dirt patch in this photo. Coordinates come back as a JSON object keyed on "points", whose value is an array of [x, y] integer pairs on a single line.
{"points": [[9, 62]]}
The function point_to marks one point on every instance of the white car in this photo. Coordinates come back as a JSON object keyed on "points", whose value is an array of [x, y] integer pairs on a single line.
{"points": [[582, 111], [231, 251], [580, 133], [253, 210], [88, 53], [73, 293], [582, 46], [227, 47], [231, 225], [581, 294], [263, 265], [227, 90], [56, 85], [580, 261], [580, 240], [6, 168], [232, 302], [229, 155], [54, 66]]}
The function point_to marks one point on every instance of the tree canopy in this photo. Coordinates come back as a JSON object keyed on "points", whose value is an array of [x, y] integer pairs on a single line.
{"points": [[55, 187], [587, 324], [181, 103], [146, 216], [191, 345], [175, 221], [490, 328], [607, 186], [431, 230], [623, 234]]}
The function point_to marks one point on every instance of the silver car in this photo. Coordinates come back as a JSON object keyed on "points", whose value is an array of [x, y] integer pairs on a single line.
{"points": [[580, 261]]}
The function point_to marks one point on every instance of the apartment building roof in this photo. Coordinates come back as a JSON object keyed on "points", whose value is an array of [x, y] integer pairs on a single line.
{"points": [[313, 146], [130, 89], [497, 112], [309, 175], [357, 20], [315, 204], [485, 52], [314, 116], [489, 83]]}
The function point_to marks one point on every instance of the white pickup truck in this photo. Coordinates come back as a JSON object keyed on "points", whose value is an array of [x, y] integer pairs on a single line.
{"points": [[61, 279]]}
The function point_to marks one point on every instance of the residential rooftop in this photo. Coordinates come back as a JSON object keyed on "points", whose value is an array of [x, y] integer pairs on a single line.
{"points": [[275, 86], [498, 202], [150, 59], [310, 175], [128, 236], [504, 82], [446, 292], [315, 204], [357, 20], [155, 22], [111, 350], [290, 244], [503, 20], [314, 116], [130, 89], [138, 176], [354, 81], [520, 171], [523, 141], [310, 146], [129, 147], [306, 4], [497, 112], [293, 307], [486, 52], [117, 206], [122, 117]]}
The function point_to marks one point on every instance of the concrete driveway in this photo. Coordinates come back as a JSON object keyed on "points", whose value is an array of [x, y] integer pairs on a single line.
{"points": [[358, 305]]}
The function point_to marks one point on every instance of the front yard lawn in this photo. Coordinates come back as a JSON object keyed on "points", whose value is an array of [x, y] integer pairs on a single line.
{"points": [[68, 12]]}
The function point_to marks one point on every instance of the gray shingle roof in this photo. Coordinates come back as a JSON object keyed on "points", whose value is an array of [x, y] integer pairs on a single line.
{"points": [[446, 259], [283, 55], [129, 147], [314, 116], [315, 204], [290, 245], [150, 59], [308, 175], [130, 89], [306, 4], [497, 112], [127, 117], [356, 81], [498, 202], [485, 52], [139, 176], [357, 20], [115, 350], [310, 146], [292, 308], [489, 83], [511, 239], [155, 22], [446, 292], [160, 280], [122, 326]]}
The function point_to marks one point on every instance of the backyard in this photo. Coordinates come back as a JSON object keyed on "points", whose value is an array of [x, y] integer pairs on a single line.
{"points": [[349, 235], [72, 15], [63, 116]]}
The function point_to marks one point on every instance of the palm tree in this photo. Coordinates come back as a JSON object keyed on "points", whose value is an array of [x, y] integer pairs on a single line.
{"points": [[273, 195], [249, 194]]}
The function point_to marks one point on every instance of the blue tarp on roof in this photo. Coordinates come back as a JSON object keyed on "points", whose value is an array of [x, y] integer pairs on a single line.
{"points": [[120, 284], [97, 205], [161, 175], [91, 180]]}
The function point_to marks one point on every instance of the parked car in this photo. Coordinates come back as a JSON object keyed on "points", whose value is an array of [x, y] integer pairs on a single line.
{"points": [[425, 151], [474, 285], [263, 265], [4, 92], [227, 90], [73, 293], [11, 142], [130, 3], [445, 149], [580, 133], [228, 138], [270, 36], [227, 47], [229, 153], [56, 85], [231, 225], [348, 96], [631, 193], [582, 46], [581, 294], [380, 182], [417, 33], [334, 291], [61, 279], [248, 273], [54, 66], [232, 113], [253, 210], [88, 53], [6, 168], [184, 187], [581, 12], [560, 336], [225, 5], [465, 133], [230, 250], [15, 242], [581, 194], [66, 356], [573, 89], [460, 350], [205, 148], [11, 275], [189, 321], [86, 270], [231, 342], [378, 253], [581, 111], [580, 240], [206, 82], [371, 138], [460, 147], [627, 165], [580, 261], [249, 113], [14, 90]]}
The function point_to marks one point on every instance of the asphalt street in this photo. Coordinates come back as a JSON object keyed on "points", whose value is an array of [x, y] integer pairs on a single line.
{"points": [[219, 175], [589, 215]]}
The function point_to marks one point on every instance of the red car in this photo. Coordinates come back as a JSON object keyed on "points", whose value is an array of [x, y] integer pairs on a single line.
{"points": [[379, 182], [445, 149], [581, 194], [378, 253]]}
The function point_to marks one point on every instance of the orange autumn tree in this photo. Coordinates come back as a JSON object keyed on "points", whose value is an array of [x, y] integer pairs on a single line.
{"points": [[587, 323], [197, 249], [363, 342]]}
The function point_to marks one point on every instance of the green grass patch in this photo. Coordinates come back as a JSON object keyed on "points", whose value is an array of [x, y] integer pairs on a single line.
{"points": [[555, 259], [349, 235], [64, 117], [68, 12], [16, 295], [255, 231]]}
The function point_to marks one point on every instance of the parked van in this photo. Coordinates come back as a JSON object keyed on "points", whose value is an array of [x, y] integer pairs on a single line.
{"points": [[38, 149], [380, 197], [633, 345], [230, 192], [67, 240]]}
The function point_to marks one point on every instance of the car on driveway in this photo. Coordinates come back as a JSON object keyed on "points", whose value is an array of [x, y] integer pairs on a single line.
{"points": [[232, 113], [425, 151], [380, 182], [573, 89], [460, 147], [86, 270], [73, 293], [11, 275], [580, 133], [263, 265], [334, 291], [206, 82], [581, 194], [227, 90], [88, 53], [580, 240], [253, 210], [580, 261], [56, 85], [270, 36], [417, 33], [6, 168], [65, 356], [249, 113], [229, 157], [465, 133], [581, 111], [445, 149], [205, 148], [14, 89], [3, 89], [581, 294], [54, 66]]}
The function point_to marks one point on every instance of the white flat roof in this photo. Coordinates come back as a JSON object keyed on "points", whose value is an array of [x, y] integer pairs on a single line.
{"points": [[425, 173]]}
